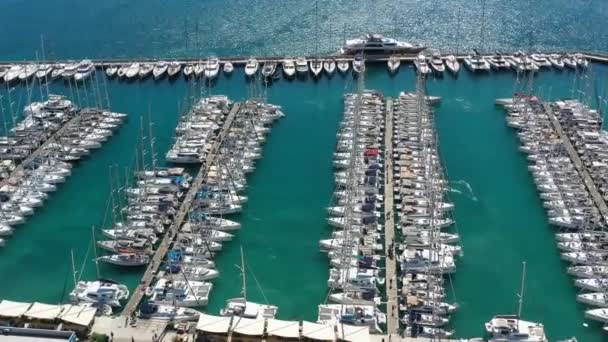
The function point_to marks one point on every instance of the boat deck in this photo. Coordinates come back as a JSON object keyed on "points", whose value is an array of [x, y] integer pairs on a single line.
{"points": [[163, 248]]}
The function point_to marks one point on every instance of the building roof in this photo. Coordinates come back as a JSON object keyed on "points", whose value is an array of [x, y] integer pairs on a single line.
{"points": [[286, 329], [353, 333], [320, 332], [248, 326], [43, 311], [213, 324], [13, 309], [82, 315]]}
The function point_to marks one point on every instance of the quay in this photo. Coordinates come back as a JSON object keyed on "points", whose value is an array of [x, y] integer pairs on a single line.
{"points": [[163, 248], [578, 163], [392, 304], [242, 60], [18, 171]]}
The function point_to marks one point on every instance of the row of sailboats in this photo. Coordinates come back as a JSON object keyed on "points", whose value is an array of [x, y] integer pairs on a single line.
{"points": [[354, 247], [81, 131], [581, 227], [189, 269], [427, 252], [77, 71]]}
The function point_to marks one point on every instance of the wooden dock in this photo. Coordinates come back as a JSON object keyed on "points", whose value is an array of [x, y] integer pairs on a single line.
{"points": [[392, 303], [17, 173], [578, 163], [171, 234]]}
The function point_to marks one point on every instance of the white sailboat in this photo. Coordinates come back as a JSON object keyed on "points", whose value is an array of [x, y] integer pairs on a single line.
{"points": [[242, 308]]}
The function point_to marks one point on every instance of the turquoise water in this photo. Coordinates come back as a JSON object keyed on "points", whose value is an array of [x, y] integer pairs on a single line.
{"points": [[500, 219]]}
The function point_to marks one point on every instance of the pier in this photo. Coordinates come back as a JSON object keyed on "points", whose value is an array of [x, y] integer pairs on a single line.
{"points": [[578, 163], [392, 303], [163, 248]]}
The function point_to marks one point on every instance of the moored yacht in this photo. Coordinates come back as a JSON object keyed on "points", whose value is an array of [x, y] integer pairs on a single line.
{"points": [[375, 43], [421, 65], [289, 67], [212, 68], [251, 67], [393, 64], [160, 69], [329, 66], [452, 64]]}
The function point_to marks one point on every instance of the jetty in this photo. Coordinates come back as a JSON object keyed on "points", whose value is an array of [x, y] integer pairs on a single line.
{"points": [[163, 248], [578, 163], [392, 304]]}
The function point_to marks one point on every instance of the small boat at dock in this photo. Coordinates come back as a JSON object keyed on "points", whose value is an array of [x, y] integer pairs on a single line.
{"points": [[133, 71], [393, 64], [111, 71], [160, 68], [301, 66], [228, 68], [289, 67], [452, 64], [316, 67], [145, 70], [212, 68], [173, 69], [421, 65], [126, 259], [251, 67], [329, 66], [342, 65]]}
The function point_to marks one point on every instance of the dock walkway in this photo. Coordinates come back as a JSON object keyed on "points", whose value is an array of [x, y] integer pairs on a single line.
{"points": [[578, 163], [18, 171], [392, 305], [163, 248]]}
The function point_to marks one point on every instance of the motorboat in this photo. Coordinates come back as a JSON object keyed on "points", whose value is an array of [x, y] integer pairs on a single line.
{"points": [[498, 62], [329, 66], [199, 69], [301, 66], [580, 60], [251, 67], [375, 43], [13, 73], [145, 70], [289, 67], [111, 71], [69, 71], [421, 65], [316, 67], [57, 70], [28, 72], [556, 61], [122, 71], [358, 64], [451, 62], [100, 291], [189, 70], [598, 315], [268, 69], [436, 63], [133, 71], [84, 70], [212, 68], [541, 60], [343, 65], [393, 64], [44, 71], [569, 61], [476, 63], [173, 69], [228, 68], [160, 69]]}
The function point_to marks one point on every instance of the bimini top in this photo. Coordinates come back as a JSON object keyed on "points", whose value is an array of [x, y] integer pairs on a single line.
{"points": [[13, 309], [285, 329]]}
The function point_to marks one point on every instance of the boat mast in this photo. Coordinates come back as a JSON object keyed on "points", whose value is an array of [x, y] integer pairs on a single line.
{"points": [[151, 137], [73, 267], [95, 251], [521, 290], [243, 275]]}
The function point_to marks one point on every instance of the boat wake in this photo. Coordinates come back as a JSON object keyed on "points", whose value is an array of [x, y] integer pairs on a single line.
{"points": [[468, 187]]}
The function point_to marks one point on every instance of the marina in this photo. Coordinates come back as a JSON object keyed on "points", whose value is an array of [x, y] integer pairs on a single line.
{"points": [[298, 193]]}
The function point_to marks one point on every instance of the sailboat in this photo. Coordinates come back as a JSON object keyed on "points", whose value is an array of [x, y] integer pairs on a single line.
{"points": [[393, 64], [242, 308], [512, 327]]}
